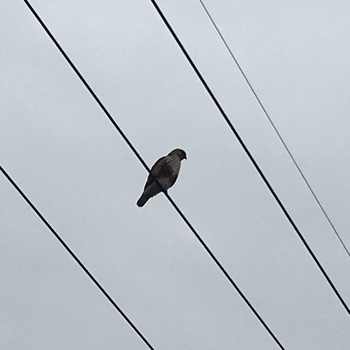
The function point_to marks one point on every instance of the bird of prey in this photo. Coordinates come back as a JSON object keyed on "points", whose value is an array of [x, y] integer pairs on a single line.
{"points": [[164, 173]]}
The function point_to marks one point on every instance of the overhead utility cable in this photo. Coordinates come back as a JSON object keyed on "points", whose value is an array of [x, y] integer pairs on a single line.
{"points": [[98, 101], [251, 158], [75, 257], [275, 129]]}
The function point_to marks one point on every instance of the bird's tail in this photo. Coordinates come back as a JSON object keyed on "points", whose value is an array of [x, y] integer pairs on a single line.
{"points": [[142, 200]]}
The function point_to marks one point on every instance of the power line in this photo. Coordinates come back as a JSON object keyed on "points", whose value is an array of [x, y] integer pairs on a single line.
{"points": [[251, 158], [275, 128], [72, 254], [114, 123]]}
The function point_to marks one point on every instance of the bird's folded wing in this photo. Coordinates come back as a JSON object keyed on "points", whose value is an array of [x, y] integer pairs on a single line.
{"points": [[159, 169]]}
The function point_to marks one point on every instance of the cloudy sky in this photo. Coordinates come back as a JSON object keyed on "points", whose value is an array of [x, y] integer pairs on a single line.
{"points": [[64, 153]]}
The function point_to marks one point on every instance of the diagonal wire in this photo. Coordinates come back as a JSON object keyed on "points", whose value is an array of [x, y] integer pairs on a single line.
{"points": [[98, 101], [250, 156], [275, 128], [72, 254]]}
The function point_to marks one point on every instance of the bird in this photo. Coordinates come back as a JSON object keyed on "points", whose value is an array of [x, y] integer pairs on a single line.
{"points": [[163, 175]]}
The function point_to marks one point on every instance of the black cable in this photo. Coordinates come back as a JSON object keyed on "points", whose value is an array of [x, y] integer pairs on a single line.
{"points": [[275, 128], [223, 270], [98, 285], [251, 158]]}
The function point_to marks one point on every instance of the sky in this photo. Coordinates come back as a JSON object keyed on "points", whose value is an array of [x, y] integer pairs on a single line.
{"points": [[64, 153]]}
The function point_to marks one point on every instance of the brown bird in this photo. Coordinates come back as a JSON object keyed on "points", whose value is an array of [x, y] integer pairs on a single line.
{"points": [[164, 172]]}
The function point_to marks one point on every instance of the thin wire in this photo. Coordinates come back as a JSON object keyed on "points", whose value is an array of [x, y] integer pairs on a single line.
{"points": [[275, 128], [251, 158], [223, 270], [69, 250]]}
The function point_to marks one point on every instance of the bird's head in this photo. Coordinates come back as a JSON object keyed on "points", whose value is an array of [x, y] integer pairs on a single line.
{"points": [[178, 153]]}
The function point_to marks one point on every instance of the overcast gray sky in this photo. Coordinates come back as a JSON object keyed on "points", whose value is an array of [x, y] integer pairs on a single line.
{"points": [[64, 153]]}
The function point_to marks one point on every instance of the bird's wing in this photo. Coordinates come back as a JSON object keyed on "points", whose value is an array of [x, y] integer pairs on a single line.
{"points": [[160, 169]]}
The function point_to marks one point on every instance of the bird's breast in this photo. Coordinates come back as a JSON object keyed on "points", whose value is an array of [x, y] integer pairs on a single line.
{"points": [[174, 164], [169, 173]]}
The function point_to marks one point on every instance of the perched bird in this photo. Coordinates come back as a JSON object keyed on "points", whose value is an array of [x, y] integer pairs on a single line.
{"points": [[164, 172]]}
